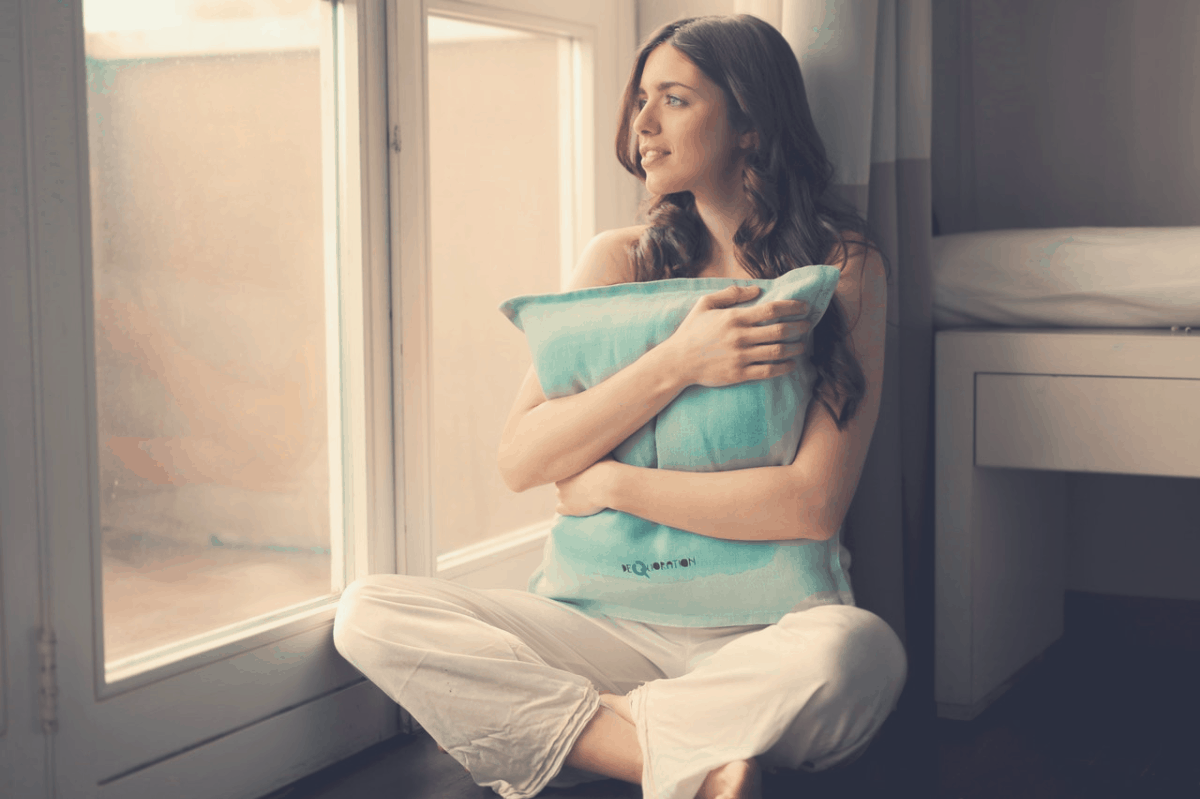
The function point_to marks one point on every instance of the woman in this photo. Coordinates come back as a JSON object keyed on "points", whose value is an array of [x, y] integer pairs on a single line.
{"points": [[525, 691]]}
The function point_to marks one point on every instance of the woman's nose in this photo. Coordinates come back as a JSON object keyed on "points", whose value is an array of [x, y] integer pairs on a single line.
{"points": [[643, 122]]}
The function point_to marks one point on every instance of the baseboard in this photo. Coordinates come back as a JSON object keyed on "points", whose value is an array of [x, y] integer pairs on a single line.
{"points": [[461, 563], [970, 712], [269, 754], [1115, 622], [1132, 621]]}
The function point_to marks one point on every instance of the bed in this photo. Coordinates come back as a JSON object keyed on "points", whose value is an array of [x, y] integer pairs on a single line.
{"points": [[1056, 350]]}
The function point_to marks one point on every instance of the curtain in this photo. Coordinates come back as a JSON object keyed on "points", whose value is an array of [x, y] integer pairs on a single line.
{"points": [[867, 72]]}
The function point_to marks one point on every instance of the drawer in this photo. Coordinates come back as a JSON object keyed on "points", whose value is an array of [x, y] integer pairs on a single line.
{"points": [[1123, 425]]}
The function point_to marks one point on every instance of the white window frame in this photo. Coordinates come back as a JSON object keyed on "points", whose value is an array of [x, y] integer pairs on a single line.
{"points": [[606, 198], [47, 495], [44, 318]]}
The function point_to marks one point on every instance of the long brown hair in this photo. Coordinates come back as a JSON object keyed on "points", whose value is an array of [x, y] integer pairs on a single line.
{"points": [[796, 219]]}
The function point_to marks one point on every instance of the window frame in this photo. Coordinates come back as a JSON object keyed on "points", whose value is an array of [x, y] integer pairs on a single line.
{"points": [[606, 197], [47, 339], [155, 739], [356, 233]]}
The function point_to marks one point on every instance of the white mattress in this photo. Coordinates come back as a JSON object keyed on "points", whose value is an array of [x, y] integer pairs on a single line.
{"points": [[1068, 277]]}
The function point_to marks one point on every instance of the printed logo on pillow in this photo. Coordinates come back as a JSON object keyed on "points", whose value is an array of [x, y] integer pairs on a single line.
{"points": [[640, 568]]}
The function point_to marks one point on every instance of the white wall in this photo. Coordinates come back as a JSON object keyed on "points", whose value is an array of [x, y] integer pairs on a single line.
{"points": [[1066, 113], [651, 14]]}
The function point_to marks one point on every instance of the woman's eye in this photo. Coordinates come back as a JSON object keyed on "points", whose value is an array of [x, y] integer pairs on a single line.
{"points": [[641, 103]]}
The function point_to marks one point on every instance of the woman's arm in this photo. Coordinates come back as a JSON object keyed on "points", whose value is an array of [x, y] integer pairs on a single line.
{"points": [[807, 499], [549, 440], [543, 440], [770, 503]]}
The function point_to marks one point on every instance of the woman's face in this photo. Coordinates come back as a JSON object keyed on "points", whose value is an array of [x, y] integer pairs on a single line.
{"points": [[683, 130]]}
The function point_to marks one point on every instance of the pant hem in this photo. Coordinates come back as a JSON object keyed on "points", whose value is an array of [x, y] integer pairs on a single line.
{"points": [[560, 748], [637, 710]]}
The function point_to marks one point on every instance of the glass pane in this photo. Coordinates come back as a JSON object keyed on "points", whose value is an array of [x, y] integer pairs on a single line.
{"points": [[205, 144], [497, 206]]}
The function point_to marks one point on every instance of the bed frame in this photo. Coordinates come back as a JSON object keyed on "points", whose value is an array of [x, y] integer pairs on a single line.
{"points": [[1015, 409]]}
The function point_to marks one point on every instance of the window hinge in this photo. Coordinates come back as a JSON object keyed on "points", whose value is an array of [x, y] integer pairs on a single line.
{"points": [[395, 142], [47, 682]]}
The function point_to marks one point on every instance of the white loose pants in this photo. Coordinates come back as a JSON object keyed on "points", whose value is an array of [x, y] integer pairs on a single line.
{"points": [[507, 680]]}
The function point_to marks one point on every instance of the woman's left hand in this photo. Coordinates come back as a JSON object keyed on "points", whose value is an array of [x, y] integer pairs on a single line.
{"points": [[579, 495]]}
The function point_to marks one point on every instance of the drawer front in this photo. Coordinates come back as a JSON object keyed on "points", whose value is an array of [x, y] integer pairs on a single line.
{"points": [[1123, 425]]}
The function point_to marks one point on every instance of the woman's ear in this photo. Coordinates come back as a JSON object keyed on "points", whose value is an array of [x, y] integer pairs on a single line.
{"points": [[748, 141]]}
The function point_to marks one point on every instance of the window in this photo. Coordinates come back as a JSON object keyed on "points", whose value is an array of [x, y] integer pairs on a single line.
{"points": [[223, 361], [521, 99], [199, 356], [216, 290], [502, 191]]}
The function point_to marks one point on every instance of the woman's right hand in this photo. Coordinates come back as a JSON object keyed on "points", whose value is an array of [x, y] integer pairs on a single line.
{"points": [[719, 345]]}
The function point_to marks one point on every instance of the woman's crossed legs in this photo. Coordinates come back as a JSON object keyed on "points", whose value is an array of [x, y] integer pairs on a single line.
{"points": [[506, 681], [509, 683]]}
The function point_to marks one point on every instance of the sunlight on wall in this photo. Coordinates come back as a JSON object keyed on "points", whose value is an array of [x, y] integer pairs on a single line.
{"points": [[495, 223]]}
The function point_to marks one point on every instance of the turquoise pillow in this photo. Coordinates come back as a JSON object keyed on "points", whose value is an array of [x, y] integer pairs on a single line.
{"points": [[580, 338]]}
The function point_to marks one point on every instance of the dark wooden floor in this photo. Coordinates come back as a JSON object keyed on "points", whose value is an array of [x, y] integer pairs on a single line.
{"points": [[1112, 710]]}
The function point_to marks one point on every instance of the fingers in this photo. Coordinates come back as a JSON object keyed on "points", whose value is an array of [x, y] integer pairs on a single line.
{"points": [[745, 344], [764, 371], [730, 295], [783, 331], [773, 311], [733, 295], [777, 351]]}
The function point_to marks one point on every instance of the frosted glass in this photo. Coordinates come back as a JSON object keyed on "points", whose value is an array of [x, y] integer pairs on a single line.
{"points": [[496, 107], [205, 149]]}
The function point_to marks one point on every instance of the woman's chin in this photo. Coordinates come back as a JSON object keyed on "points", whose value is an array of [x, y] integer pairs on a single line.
{"points": [[657, 186]]}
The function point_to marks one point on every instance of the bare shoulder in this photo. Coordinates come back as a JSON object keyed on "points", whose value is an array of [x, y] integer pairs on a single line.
{"points": [[857, 261], [605, 260], [863, 282], [851, 256]]}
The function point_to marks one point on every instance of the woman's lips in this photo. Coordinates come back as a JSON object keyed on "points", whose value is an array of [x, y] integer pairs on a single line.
{"points": [[653, 157]]}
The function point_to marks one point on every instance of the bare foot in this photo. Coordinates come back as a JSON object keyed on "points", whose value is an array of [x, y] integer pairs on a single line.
{"points": [[444, 752], [740, 779]]}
